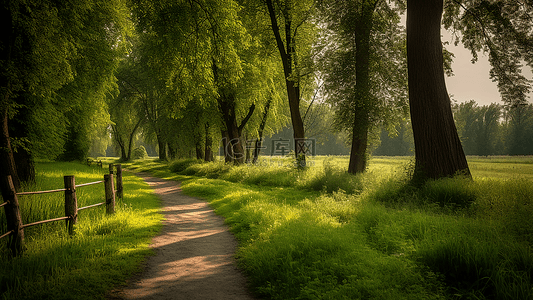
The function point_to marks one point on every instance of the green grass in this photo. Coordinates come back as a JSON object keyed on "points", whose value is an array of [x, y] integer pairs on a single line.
{"points": [[325, 234], [102, 254]]}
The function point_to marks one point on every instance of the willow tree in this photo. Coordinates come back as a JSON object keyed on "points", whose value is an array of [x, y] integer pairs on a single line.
{"points": [[57, 57], [364, 69], [203, 53]]}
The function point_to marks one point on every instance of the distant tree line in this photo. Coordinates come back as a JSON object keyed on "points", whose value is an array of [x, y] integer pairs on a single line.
{"points": [[493, 129]]}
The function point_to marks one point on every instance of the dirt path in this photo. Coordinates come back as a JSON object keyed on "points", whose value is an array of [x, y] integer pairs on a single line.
{"points": [[194, 253]]}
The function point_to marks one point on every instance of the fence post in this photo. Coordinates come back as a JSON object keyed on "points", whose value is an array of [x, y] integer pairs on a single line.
{"points": [[71, 203], [109, 193], [111, 168], [119, 182], [14, 219]]}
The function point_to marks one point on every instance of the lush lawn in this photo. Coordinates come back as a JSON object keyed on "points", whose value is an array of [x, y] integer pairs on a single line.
{"points": [[325, 234], [313, 234], [102, 254]]}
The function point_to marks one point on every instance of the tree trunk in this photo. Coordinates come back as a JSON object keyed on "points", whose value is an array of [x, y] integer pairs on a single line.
{"points": [[228, 153], [208, 145], [438, 150], [130, 142], [7, 161], [162, 147], [172, 152], [18, 128], [357, 163], [25, 165], [293, 89], [234, 149], [259, 141]]}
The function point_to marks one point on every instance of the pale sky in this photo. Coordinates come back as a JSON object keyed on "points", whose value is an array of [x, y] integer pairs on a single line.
{"points": [[472, 81]]}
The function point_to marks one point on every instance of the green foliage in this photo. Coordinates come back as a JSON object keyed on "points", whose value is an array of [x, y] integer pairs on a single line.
{"points": [[181, 165], [139, 153], [57, 66], [104, 252], [451, 238], [500, 29]]}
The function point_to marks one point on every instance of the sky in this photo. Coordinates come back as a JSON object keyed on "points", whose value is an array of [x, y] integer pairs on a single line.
{"points": [[472, 81]]}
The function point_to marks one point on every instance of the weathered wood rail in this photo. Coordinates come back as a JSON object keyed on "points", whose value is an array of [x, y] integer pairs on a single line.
{"points": [[13, 215]]}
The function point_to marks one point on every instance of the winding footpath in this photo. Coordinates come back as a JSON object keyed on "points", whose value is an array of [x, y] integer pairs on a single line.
{"points": [[194, 253]]}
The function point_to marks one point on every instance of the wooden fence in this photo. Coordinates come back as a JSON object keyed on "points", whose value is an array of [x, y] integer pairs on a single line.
{"points": [[15, 226]]}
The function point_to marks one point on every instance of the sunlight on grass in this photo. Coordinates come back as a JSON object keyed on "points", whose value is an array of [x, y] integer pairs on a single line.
{"points": [[104, 251], [325, 234]]}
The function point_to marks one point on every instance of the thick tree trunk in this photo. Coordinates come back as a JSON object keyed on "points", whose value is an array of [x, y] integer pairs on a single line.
{"points": [[172, 153], [162, 147], [25, 165], [234, 149], [199, 152], [18, 128], [438, 150], [357, 163]]}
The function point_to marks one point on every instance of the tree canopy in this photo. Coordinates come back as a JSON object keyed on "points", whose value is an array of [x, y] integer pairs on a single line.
{"points": [[191, 75]]}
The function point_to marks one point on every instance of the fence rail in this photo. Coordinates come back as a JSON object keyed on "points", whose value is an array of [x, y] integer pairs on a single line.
{"points": [[13, 216]]}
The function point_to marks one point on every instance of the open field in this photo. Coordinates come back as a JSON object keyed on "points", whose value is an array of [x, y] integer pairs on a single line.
{"points": [[313, 234], [324, 234]]}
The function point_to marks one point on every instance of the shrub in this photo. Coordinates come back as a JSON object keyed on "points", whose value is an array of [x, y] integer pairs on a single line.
{"points": [[139, 153], [181, 165]]}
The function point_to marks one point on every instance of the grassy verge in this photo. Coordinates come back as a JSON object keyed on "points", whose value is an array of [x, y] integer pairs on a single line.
{"points": [[102, 254], [325, 234]]}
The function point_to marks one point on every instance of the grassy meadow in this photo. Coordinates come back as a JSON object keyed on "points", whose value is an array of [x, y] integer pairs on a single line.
{"points": [[104, 251], [318, 233], [325, 234]]}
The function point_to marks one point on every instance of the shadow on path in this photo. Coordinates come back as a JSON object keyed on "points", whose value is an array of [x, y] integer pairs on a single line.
{"points": [[194, 254]]}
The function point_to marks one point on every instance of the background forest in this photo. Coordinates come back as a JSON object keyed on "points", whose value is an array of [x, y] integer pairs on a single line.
{"points": [[199, 78]]}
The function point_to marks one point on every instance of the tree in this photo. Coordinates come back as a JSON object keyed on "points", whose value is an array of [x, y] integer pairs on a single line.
{"points": [[478, 127], [289, 20], [520, 131], [203, 53], [500, 28], [125, 110], [60, 57], [364, 69], [438, 150]]}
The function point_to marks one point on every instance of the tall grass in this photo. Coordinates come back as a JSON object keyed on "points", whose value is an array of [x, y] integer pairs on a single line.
{"points": [[325, 234], [102, 254]]}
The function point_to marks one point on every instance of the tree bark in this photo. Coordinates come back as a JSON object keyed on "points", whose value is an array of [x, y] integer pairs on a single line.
{"points": [[7, 161], [438, 150], [357, 163], [162, 147], [19, 129]]}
